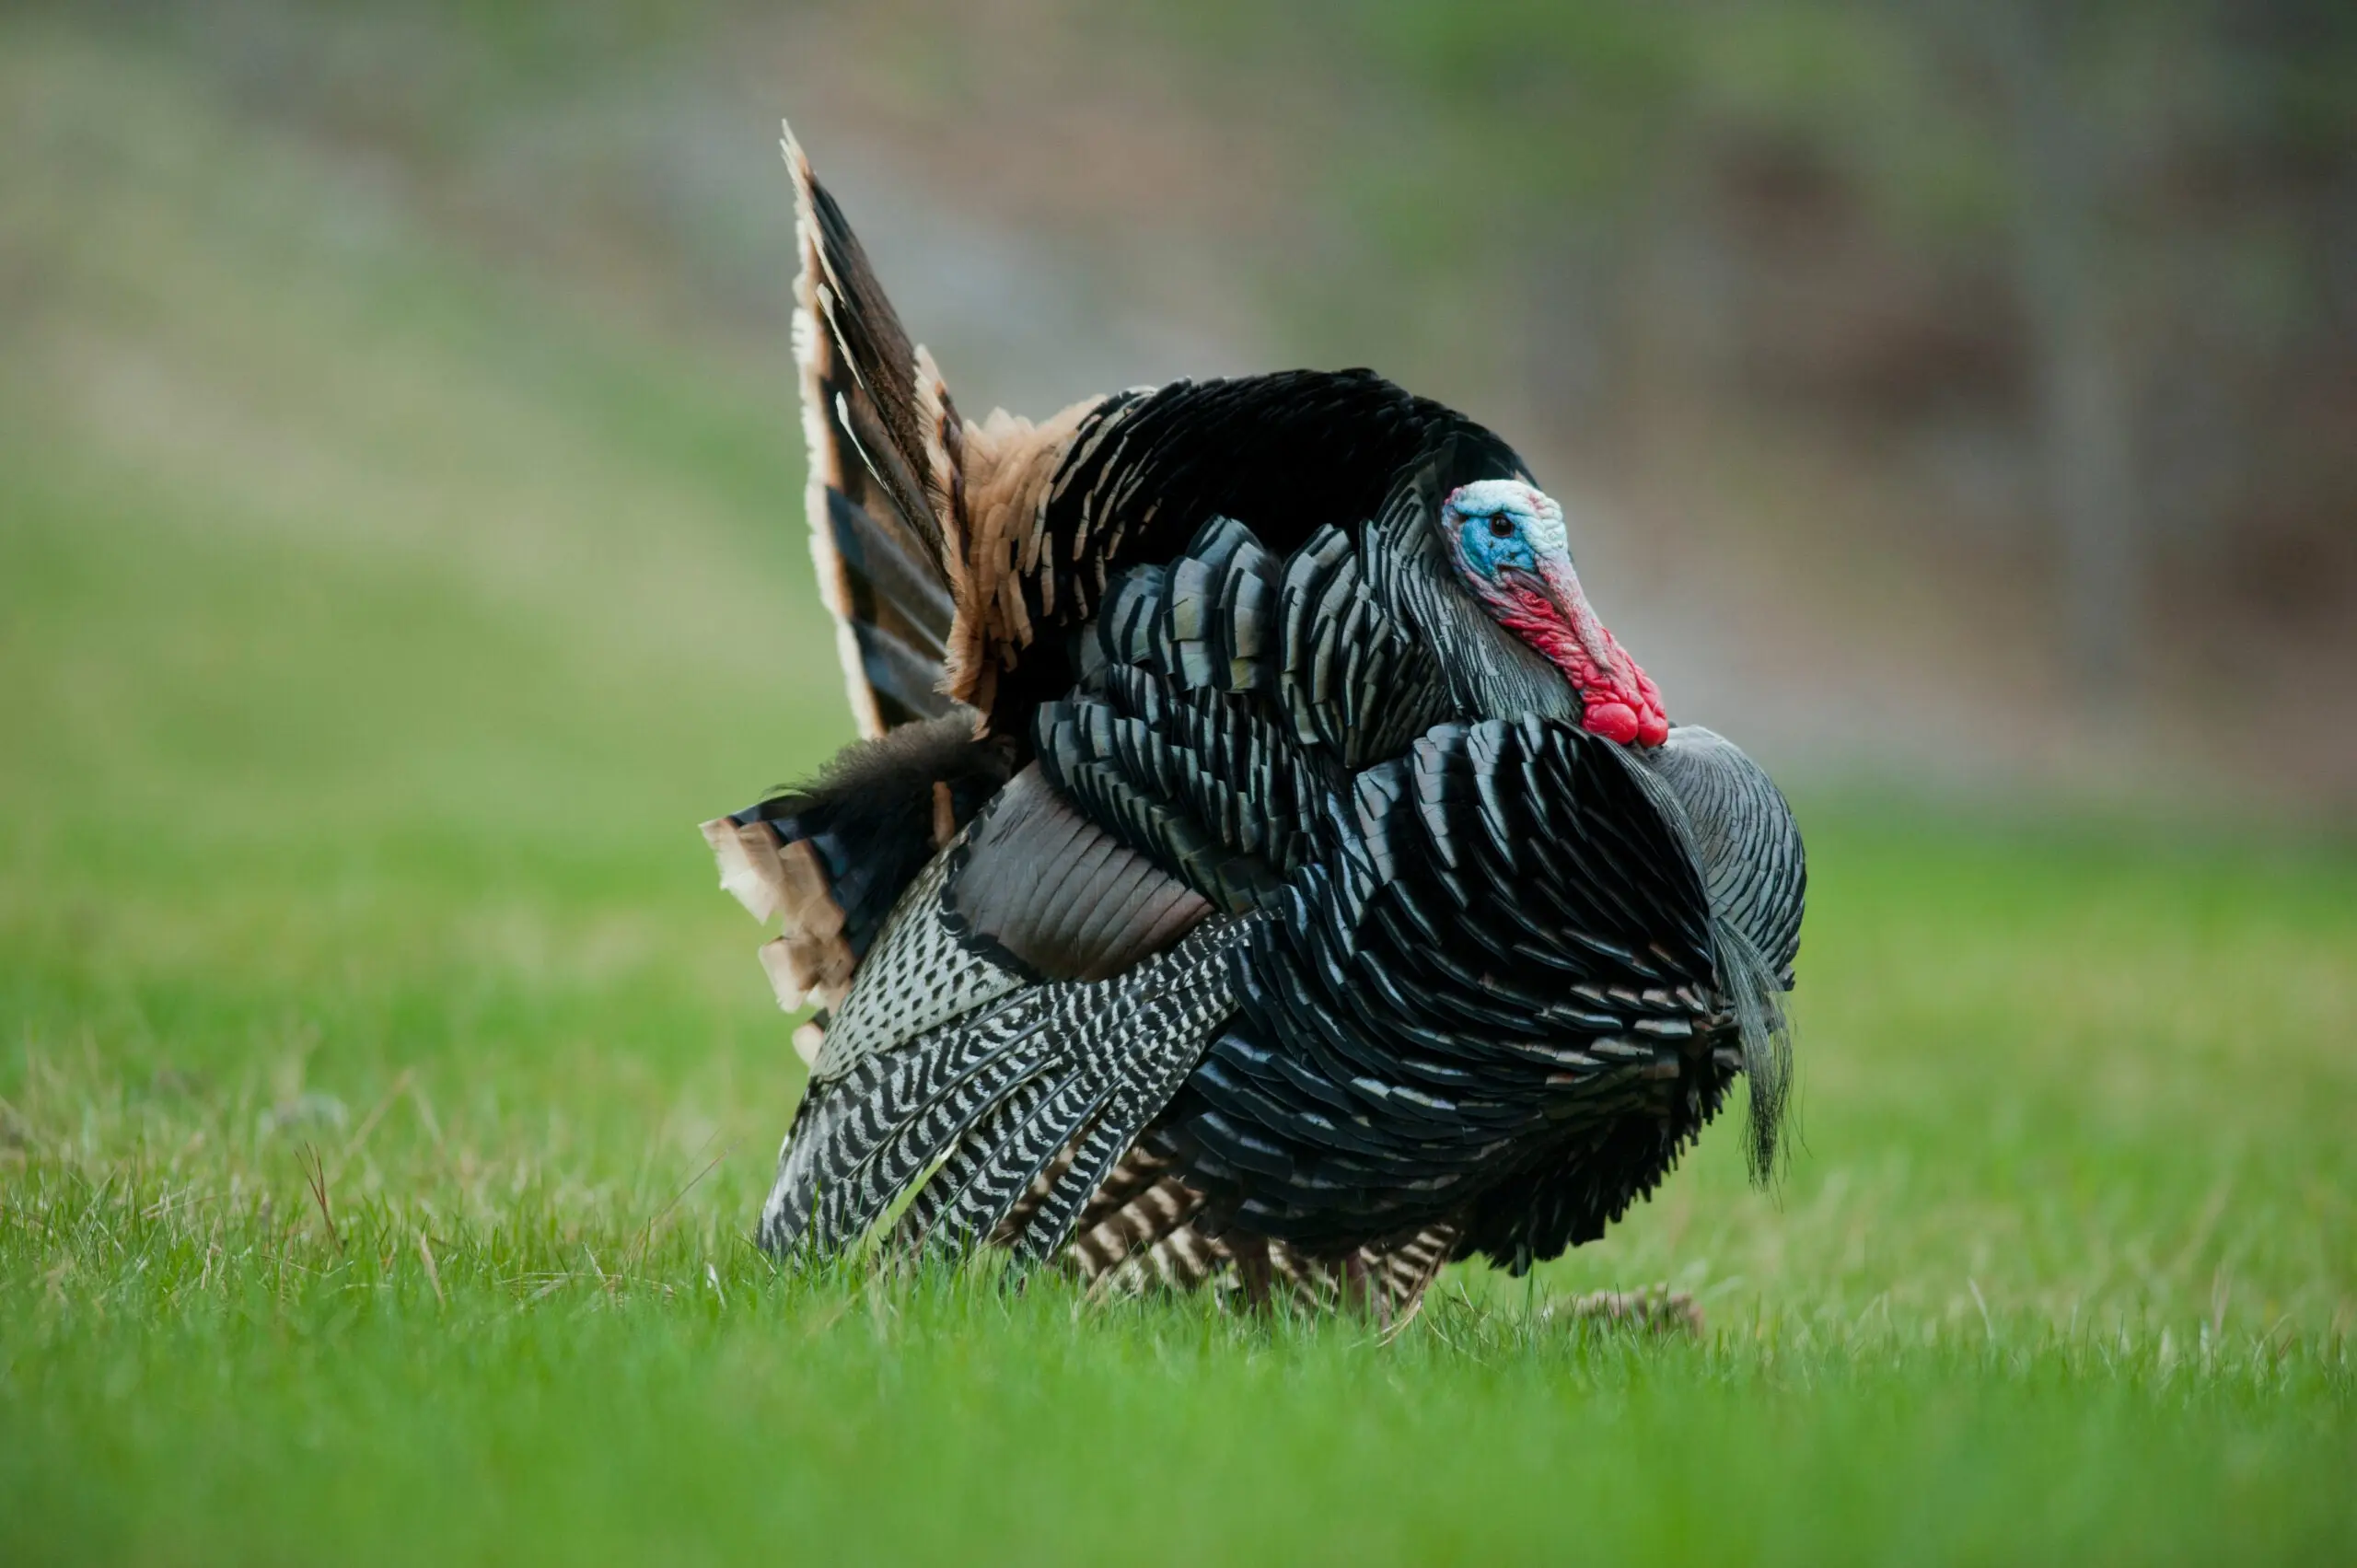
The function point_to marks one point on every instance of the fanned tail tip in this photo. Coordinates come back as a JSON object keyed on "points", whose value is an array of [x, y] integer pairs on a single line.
{"points": [[809, 961]]}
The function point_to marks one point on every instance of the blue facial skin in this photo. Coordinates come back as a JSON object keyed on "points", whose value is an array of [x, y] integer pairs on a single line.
{"points": [[1534, 533], [1487, 553]]}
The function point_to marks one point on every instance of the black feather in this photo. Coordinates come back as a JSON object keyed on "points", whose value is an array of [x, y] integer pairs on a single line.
{"points": [[870, 814]]}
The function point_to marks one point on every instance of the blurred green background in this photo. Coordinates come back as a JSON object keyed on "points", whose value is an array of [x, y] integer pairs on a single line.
{"points": [[400, 550]]}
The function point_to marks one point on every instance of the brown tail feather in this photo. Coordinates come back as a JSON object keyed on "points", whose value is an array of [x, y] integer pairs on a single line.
{"points": [[880, 426], [809, 963], [829, 860], [886, 437]]}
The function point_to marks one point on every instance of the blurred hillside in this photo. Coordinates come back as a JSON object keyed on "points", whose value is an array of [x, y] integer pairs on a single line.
{"points": [[1944, 393]]}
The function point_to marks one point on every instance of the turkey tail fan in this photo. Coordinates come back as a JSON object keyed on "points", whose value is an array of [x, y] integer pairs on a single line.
{"points": [[883, 500], [833, 856]]}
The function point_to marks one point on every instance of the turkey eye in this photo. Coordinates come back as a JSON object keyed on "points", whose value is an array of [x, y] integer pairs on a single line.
{"points": [[1502, 526]]}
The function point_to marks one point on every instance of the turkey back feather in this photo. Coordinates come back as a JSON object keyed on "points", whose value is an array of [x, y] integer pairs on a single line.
{"points": [[1286, 455]]}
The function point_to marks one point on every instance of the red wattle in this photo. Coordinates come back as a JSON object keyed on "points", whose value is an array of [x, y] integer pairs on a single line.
{"points": [[1619, 701], [1611, 720]]}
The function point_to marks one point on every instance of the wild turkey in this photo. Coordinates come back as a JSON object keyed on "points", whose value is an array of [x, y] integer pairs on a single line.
{"points": [[1262, 865]]}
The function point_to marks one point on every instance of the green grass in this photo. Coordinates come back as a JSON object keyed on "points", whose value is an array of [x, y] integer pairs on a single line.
{"points": [[373, 633]]}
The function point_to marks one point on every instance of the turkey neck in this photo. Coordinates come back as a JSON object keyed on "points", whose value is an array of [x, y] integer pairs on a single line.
{"points": [[1492, 673]]}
